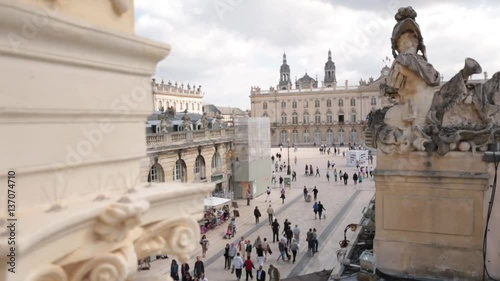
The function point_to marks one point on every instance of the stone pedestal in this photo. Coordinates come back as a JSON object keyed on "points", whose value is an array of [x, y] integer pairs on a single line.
{"points": [[430, 215]]}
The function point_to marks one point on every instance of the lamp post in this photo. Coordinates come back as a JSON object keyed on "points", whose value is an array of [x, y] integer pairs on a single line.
{"points": [[288, 169]]}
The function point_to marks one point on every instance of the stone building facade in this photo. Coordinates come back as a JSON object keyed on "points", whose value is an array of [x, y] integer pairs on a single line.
{"points": [[309, 114], [179, 97], [190, 157]]}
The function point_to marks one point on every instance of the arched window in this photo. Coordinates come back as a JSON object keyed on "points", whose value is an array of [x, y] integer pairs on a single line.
{"points": [[317, 117], [216, 163], [160, 105], [306, 104], [341, 102], [295, 118], [353, 102], [180, 106], [374, 101], [265, 115], [329, 117], [328, 103], [168, 105], [294, 104], [156, 173], [283, 104], [295, 136], [198, 107], [174, 105], [354, 136], [316, 103], [341, 136], [317, 136], [264, 105], [306, 137], [199, 168], [284, 137], [192, 106], [306, 118], [283, 118], [180, 171], [329, 137], [353, 116]]}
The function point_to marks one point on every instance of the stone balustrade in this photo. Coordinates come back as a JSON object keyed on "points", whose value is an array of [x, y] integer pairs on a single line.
{"points": [[172, 139]]}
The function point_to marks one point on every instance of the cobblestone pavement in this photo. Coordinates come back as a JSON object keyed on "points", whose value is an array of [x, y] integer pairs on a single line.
{"points": [[343, 204]]}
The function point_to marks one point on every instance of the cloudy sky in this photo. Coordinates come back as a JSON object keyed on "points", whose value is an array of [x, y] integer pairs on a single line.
{"points": [[227, 46]]}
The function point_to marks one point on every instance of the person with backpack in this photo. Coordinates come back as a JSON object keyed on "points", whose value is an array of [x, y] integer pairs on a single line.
{"points": [[256, 213]]}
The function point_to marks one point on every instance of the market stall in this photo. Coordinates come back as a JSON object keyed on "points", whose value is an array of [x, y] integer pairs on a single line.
{"points": [[216, 212]]}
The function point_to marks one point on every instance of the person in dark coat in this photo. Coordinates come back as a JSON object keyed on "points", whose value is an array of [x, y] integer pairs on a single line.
{"points": [[260, 274], [184, 271], [174, 270], [199, 268], [257, 214], [355, 178], [346, 177], [320, 209], [276, 230]]}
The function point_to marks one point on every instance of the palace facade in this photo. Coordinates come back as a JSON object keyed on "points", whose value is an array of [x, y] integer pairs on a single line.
{"points": [[308, 114], [168, 95]]}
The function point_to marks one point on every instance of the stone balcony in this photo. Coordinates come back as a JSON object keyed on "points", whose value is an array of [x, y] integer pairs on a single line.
{"points": [[185, 139]]}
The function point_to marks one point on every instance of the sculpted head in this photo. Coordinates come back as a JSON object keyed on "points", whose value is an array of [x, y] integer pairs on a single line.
{"points": [[407, 42]]}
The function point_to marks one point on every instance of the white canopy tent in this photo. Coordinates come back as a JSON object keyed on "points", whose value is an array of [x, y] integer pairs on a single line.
{"points": [[216, 201]]}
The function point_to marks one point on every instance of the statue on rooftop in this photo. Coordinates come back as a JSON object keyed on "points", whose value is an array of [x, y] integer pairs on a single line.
{"points": [[186, 121], [204, 121], [461, 115], [164, 122]]}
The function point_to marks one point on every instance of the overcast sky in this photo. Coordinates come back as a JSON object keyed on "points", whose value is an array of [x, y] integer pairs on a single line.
{"points": [[227, 46]]}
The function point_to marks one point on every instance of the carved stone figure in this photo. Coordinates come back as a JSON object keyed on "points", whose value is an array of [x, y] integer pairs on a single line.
{"points": [[186, 122], [461, 115], [204, 121], [164, 122]]}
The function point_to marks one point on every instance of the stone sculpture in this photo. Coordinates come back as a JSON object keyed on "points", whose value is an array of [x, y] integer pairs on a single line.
{"points": [[164, 122], [204, 121], [186, 121], [461, 115]]}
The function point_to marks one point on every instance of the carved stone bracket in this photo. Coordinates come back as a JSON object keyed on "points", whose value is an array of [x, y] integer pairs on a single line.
{"points": [[118, 219], [50, 272], [178, 237]]}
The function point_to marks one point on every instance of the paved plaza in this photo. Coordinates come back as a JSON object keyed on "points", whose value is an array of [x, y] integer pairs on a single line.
{"points": [[343, 206]]}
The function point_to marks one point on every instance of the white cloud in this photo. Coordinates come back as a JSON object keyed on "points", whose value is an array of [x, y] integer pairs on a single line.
{"points": [[229, 45]]}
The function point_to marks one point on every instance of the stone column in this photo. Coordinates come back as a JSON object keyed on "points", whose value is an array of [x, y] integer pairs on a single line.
{"points": [[430, 214]]}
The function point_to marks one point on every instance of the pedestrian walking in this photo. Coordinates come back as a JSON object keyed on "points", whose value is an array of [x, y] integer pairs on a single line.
{"points": [[309, 239], [184, 271], [311, 170], [256, 213], [237, 266], [276, 229], [282, 196], [328, 164], [305, 193], [268, 192], [317, 172], [371, 172], [294, 247], [315, 240], [294, 176], [295, 159], [274, 273], [321, 208], [260, 274], [248, 248], [346, 177], [315, 209], [231, 253], [227, 261], [249, 196], [174, 270], [248, 264], [355, 178], [266, 248], [204, 245], [296, 233], [328, 176], [281, 182], [270, 214], [273, 177], [289, 236], [198, 268], [281, 248], [260, 254], [335, 176], [315, 192], [307, 170]]}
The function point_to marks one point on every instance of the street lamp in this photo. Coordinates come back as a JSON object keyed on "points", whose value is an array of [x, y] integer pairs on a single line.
{"points": [[288, 169]]}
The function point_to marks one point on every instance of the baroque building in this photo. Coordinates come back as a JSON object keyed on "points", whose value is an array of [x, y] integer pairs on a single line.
{"points": [[180, 98], [309, 114]]}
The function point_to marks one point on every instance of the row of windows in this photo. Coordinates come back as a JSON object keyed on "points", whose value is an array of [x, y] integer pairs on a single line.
{"points": [[330, 138], [317, 103], [157, 174], [317, 117], [178, 106]]}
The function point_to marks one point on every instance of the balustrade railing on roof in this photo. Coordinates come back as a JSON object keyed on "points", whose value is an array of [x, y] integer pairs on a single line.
{"points": [[155, 141]]}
